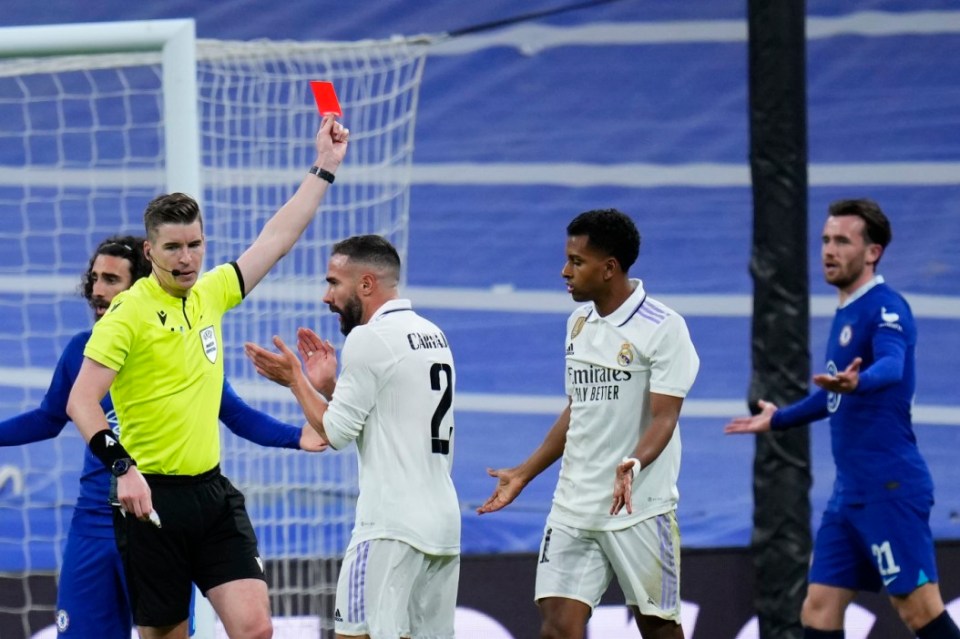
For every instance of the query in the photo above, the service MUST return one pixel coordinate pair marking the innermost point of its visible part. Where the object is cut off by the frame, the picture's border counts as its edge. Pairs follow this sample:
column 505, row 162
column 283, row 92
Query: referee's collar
column 626, row 310
column 391, row 306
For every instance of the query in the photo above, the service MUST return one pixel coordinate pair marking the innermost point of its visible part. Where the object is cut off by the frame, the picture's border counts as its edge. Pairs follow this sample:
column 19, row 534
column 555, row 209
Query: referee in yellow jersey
column 158, row 350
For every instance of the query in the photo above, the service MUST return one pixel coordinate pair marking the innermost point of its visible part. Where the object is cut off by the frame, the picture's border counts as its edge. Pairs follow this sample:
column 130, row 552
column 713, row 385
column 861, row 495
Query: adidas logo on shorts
column 336, row 615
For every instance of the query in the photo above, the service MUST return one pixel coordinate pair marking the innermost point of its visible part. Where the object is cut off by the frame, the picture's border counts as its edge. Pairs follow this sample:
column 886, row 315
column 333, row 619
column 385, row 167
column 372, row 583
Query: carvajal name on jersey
column 427, row 340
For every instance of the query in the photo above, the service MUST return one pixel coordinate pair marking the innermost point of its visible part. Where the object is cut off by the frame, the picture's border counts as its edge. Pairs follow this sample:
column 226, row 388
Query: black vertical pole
column 780, row 332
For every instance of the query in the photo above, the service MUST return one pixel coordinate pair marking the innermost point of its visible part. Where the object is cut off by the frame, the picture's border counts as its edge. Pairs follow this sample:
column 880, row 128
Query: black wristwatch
column 121, row 466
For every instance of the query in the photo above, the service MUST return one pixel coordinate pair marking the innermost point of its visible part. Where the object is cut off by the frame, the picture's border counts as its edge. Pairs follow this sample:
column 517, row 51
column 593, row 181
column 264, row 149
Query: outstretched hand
column 759, row 423
column 509, row 485
column 623, row 488
column 843, row 382
column 282, row 368
column 320, row 359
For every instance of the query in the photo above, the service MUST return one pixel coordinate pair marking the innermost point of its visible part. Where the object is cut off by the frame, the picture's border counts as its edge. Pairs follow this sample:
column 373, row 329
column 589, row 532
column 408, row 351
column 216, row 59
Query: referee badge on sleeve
column 208, row 337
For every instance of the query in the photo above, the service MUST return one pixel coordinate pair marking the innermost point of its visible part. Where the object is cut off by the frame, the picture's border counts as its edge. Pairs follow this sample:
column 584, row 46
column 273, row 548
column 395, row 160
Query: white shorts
column 389, row 589
column 578, row 564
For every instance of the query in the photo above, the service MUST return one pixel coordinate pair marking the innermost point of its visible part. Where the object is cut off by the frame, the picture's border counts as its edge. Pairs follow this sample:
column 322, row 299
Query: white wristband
column 636, row 465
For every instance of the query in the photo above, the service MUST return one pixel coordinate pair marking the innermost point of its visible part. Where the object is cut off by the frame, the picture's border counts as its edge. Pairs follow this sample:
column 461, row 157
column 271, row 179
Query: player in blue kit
column 92, row 598
column 875, row 531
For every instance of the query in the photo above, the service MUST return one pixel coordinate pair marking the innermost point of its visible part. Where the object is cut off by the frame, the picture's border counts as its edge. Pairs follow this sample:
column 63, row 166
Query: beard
column 351, row 315
column 844, row 277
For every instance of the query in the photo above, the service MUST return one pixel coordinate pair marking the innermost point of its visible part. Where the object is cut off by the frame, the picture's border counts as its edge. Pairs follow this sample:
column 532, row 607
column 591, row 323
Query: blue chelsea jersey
column 874, row 446
column 92, row 516
column 92, row 513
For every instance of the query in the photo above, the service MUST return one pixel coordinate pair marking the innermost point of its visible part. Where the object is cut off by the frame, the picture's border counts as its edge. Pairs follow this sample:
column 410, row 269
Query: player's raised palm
column 509, row 485
column 282, row 368
column 320, row 359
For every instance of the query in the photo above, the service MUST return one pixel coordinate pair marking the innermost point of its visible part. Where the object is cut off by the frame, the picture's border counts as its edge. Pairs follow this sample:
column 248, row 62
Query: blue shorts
column 876, row 545
column 92, row 594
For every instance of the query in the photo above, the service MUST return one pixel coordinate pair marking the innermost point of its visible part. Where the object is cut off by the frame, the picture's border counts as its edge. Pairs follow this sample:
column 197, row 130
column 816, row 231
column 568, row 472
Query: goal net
column 85, row 142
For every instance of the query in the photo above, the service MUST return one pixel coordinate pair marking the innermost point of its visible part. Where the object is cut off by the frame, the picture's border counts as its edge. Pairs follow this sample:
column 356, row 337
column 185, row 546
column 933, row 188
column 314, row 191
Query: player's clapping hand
column 321, row 360
column 843, row 382
column 282, row 368
column 759, row 423
column 623, row 488
column 509, row 485
column 312, row 441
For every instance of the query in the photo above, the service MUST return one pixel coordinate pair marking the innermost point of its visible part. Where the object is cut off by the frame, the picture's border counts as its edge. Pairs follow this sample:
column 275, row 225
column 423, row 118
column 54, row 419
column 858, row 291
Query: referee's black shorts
column 205, row 538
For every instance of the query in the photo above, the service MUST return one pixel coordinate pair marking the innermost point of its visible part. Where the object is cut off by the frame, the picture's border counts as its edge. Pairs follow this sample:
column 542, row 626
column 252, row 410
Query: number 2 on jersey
column 441, row 445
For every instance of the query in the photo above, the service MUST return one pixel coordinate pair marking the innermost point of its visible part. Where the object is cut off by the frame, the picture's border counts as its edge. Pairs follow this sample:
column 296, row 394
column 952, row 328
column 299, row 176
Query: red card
column 326, row 97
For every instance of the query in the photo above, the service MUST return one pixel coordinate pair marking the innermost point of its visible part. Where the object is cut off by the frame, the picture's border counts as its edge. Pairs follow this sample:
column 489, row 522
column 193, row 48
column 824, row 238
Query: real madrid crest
column 578, row 326
column 625, row 356
column 208, row 337
column 845, row 334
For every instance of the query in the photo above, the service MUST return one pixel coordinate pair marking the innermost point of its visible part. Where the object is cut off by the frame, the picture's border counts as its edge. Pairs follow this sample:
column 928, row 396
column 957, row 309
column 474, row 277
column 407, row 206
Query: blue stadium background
column 642, row 105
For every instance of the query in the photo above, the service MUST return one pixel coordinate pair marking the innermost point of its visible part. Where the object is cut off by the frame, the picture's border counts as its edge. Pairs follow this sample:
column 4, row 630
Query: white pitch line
column 531, row 39
column 494, row 403
column 506, row 299
column 566, row 174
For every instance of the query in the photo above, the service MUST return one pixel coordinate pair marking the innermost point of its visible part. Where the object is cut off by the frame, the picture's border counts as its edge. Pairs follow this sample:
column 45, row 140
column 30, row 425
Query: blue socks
column 940, row 628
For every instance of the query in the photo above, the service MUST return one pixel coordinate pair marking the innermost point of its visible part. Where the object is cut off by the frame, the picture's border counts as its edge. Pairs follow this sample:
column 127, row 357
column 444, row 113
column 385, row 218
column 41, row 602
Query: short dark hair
column 370, row 249
column 610, row 231
column 171, row 208
column 128, row 247
column 876, row 226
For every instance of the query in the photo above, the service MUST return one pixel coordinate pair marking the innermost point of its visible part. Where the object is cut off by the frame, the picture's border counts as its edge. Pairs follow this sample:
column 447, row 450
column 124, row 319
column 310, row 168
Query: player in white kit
column 394, row 397
column 629, row 364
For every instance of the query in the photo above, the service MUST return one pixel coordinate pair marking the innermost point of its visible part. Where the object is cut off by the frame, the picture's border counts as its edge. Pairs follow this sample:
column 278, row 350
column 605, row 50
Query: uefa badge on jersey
column 625, row 356
column 578, row 326
column 846, row 333
column 208, row 337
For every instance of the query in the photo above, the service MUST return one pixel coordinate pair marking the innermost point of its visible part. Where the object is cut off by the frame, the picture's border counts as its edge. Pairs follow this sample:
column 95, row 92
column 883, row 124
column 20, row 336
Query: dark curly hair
column 128, row 247
column 611, row 232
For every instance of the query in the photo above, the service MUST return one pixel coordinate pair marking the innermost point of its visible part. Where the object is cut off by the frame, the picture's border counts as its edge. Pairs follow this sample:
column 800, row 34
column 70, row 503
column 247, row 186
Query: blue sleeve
column 810, row 409
column 33, row 426
column 889, row 352
column 47, row 421
column 249, row 423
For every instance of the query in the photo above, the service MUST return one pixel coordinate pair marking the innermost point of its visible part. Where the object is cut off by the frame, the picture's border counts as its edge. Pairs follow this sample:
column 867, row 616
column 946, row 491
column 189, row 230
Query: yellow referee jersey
column 168, row 355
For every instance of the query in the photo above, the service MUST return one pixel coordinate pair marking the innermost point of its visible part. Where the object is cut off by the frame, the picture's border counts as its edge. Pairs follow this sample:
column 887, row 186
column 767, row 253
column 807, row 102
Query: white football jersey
column 394, row 396
column 613, row 363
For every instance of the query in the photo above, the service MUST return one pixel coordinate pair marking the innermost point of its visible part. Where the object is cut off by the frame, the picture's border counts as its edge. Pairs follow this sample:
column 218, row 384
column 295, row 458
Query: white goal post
column 95, row 120
column 176, row 42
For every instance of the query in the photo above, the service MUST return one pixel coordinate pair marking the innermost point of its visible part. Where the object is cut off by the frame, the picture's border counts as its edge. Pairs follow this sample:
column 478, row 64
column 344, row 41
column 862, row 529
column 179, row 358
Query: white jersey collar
column 626, row 310
column 860, row 292
column 390, row 306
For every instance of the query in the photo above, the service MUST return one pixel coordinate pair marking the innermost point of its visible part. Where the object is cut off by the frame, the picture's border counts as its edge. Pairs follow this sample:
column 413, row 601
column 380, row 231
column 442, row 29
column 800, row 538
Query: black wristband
column 323, row 174
column 107, row 448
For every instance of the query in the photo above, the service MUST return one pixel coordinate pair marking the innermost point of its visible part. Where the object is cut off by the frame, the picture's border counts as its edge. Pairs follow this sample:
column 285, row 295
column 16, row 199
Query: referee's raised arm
column 283, row 230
